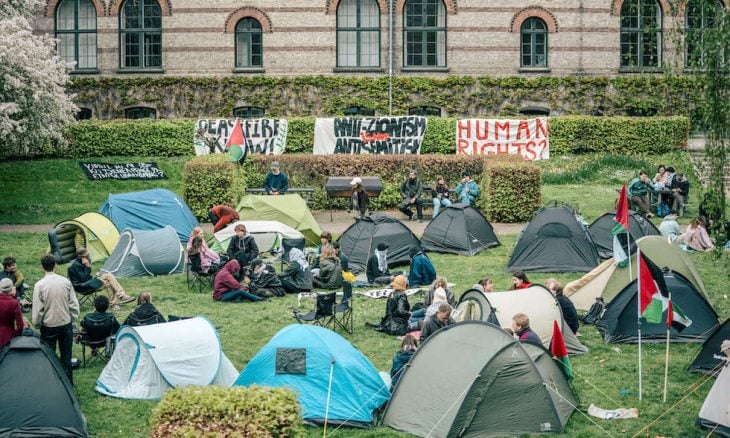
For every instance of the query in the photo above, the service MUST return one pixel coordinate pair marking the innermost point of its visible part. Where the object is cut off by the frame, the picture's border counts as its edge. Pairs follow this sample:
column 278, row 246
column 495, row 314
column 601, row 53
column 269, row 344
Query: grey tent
column 618, row 324
column 710, row 358
column 498, row 308
column 601, row 228
column 459, row 229
column 39, row 399
column 360, row 240
column 475, row 372
column 554, row 241
column 715, row 412
column 140, row 253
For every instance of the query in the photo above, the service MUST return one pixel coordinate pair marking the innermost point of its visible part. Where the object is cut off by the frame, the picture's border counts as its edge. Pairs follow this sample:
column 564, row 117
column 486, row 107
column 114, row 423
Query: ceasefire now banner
column 369, row 135
column 529, row 138
column 262, row 136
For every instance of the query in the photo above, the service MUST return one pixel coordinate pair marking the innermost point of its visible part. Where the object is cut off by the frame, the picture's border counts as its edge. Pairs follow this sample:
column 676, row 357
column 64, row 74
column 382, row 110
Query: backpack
column 595, row 313
column 662, row 209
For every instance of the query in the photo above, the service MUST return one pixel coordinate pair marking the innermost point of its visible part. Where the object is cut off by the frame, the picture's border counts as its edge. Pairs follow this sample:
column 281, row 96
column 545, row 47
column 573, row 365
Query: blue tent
column 150, row 210
column 301, row 357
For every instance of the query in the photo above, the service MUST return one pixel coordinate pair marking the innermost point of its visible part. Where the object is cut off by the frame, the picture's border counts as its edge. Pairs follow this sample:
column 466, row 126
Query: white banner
column 263, row 136
column 370, row 135
column 528, row 138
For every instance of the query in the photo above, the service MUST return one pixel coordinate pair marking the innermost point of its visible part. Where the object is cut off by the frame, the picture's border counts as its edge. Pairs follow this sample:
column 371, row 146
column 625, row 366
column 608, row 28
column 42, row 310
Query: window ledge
column 425, row 69
column 86, row 71
column 533, row 70
column 652, row 70
column 155, row 70
column 358, row 70
column 249, row 70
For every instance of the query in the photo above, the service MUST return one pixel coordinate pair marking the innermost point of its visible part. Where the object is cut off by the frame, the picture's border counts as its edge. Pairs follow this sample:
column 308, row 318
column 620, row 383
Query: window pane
column 65, row 15
column 641, row 33
column 347, row 13
column 130, row 15
column 346, row 54
column 130, row 49
column 87, row 50
column 152, row 50
column 425, row 40
column 369, row 49
column 152, row 14
column 83, row 114
column 66, row 47
column 87, row 15
column 369, row 13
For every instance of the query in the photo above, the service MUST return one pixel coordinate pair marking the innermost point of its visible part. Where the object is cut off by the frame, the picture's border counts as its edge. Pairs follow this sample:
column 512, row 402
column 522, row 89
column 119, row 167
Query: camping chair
column 323, row 314
column 99, row 337
column 86, row 295
column 343, row 310
column 196, row 276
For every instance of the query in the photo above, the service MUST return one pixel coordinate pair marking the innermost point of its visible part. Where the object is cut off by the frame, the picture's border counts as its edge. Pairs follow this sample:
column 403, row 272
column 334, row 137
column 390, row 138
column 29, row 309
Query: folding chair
column 85, row 295
column 196, row 276
column 98, row 336
column 323, row 314
column 343, row 310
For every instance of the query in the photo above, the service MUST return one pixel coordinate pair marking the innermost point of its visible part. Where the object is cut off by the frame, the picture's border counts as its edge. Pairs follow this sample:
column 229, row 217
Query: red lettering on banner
column 530, row 153
column 523, row 131
column 541, row 145
column 519, row 147
column 367, row 137
column 501, row 126
column 464, row 125
column 485, row 131
column 488, row 145
column 541, row 130
column 502, row 148
column 462, row 146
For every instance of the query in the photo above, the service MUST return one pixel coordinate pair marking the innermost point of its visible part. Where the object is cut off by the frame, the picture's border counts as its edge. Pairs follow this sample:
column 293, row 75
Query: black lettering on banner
column 384, row 135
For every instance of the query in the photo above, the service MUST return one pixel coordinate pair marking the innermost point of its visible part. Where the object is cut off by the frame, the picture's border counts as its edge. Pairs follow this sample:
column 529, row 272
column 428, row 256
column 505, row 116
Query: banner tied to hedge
column 369, row 135
column 528, row 138
column 262, row 136
column 99, row 171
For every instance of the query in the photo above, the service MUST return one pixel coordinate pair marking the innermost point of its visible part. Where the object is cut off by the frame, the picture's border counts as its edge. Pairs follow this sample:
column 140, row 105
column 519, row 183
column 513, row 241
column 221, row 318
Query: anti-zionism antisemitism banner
column 528, row 138
column 369, row 135
column 262, row 136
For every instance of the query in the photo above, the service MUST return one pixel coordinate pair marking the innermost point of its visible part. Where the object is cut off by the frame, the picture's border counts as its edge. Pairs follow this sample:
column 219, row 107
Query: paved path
column 341, row 221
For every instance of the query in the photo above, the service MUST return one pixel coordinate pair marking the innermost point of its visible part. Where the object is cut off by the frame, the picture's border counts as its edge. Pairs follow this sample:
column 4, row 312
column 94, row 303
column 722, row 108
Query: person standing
column 680, row 190
column 55, row 307
column 221, row 215
column 440, row 195
column 276, row 181
column 467, row 190
column 359, row 201
column 410, row 192
column 11, row 318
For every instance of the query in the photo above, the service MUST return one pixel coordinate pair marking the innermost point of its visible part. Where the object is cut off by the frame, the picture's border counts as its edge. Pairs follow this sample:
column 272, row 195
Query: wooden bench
column 428, row 199
column 305, row 192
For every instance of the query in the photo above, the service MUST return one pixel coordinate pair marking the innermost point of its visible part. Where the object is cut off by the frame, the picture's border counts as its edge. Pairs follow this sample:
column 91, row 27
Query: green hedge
column 211, row 180
column 571, row 134
column 511, row 190
column 234, row 411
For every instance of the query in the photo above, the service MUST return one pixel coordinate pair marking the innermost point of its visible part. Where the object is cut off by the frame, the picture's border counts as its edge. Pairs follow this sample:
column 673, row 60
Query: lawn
column 606, row 376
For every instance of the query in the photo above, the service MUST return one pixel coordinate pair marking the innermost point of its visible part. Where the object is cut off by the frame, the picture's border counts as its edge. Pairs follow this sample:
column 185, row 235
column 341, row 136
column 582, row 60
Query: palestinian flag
column 560, row 351
column 620, row 226
column 236, row 138
column 654, row 296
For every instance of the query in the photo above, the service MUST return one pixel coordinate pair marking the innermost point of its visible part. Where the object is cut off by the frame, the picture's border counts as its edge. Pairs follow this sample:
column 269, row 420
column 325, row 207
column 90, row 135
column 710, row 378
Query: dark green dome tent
column 472, row 379
column 39, row 398
column 709, row 358
column 601, row 229
column 459, row 229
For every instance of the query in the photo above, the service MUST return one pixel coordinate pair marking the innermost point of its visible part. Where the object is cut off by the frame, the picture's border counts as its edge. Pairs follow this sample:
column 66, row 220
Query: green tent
column 472, row 379
column 290, row 210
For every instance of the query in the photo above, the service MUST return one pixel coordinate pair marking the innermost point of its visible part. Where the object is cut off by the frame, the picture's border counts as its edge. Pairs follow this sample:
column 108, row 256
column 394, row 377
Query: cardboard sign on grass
column 529, row 138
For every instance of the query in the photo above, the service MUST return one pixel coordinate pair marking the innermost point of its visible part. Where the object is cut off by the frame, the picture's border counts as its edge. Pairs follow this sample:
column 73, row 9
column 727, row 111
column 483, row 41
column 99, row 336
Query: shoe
column 126, row 299
column 649, row 215
column 420, row 221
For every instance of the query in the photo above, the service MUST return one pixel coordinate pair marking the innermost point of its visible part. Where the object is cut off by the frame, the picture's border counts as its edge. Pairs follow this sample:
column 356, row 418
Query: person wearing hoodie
column 377, row 267
column 407, row 349
column 669, row 226
column 330, row 271
column 145, row 311
column 467, row 190
column 442, row 318
column 263, row 281
column 297, row 277
column 242, row 247
column 226, row 288
column 439, row 282
column 422, row 271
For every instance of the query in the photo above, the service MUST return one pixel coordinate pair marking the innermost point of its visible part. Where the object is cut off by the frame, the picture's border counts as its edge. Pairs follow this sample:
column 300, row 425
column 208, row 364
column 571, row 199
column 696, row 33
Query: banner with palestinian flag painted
column 621, row 227
column 655, row 298
column 260, row 136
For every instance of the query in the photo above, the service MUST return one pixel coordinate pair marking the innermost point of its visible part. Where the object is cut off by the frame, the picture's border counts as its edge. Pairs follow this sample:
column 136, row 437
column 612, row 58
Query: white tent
column 267, row 234
column 536, row 302
column 715, row 412
column 146, row 252
column 148, row 360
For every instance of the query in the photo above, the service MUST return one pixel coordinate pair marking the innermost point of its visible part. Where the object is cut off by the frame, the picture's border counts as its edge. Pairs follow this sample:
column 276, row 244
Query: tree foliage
column 33, row 104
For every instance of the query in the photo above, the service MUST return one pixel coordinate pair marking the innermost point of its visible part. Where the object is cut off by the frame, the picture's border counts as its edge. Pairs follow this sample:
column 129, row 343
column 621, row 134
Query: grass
column 606, row 376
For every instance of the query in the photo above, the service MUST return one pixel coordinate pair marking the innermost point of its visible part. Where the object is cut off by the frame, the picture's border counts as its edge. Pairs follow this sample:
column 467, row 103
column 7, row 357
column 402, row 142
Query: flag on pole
column 654, row 297
column 236, row 138
column 560, row 351
column 620, row 226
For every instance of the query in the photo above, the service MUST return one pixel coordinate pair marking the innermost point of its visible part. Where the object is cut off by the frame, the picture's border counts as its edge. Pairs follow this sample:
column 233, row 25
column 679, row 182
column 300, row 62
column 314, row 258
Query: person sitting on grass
column 520, row 281
column 220, row 216
column 484, row 285
column 422, row 270
column 145, row 313
column 263, row 281
column 696, row 237
column 227, row 288
column 330, row 271
column 442, row 318
column 242, row 247
column 313, row 257
column 407, row 349
column 377, row 267
column 359, row 201
column 100, row 318
column 443, row 283
column 669, row 227
column 297, row 277
column 467, row 190
column 10, row 270
column 397, row 309
column 521, row 329
column 570, row 315
column 80, row 275
column 638, row 190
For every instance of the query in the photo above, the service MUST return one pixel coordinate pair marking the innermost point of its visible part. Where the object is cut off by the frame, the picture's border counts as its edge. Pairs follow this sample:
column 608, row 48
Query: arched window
column 424, row 34
column 248, row 112
column 140, row 34
column 140, row 112
column 76, row 33
column 534, row 42
column 249, row 43
column 424, row 111
column 641, row 34
column 701, row 15
column 83, row 114
column 358, row 33
column 356, row 110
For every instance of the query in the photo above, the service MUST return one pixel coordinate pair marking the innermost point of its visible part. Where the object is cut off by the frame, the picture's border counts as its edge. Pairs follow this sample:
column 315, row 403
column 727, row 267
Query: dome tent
column 359, row 241
column 92, row 230
column 714, row 414
column 709, row 358
column 289, row 209
column 601, row 229
column 140, row 253
column 459, row 229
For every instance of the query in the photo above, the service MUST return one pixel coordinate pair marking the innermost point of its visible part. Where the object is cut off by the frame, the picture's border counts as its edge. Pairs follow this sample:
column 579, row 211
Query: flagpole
column 638, row 312
column 666, row 355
